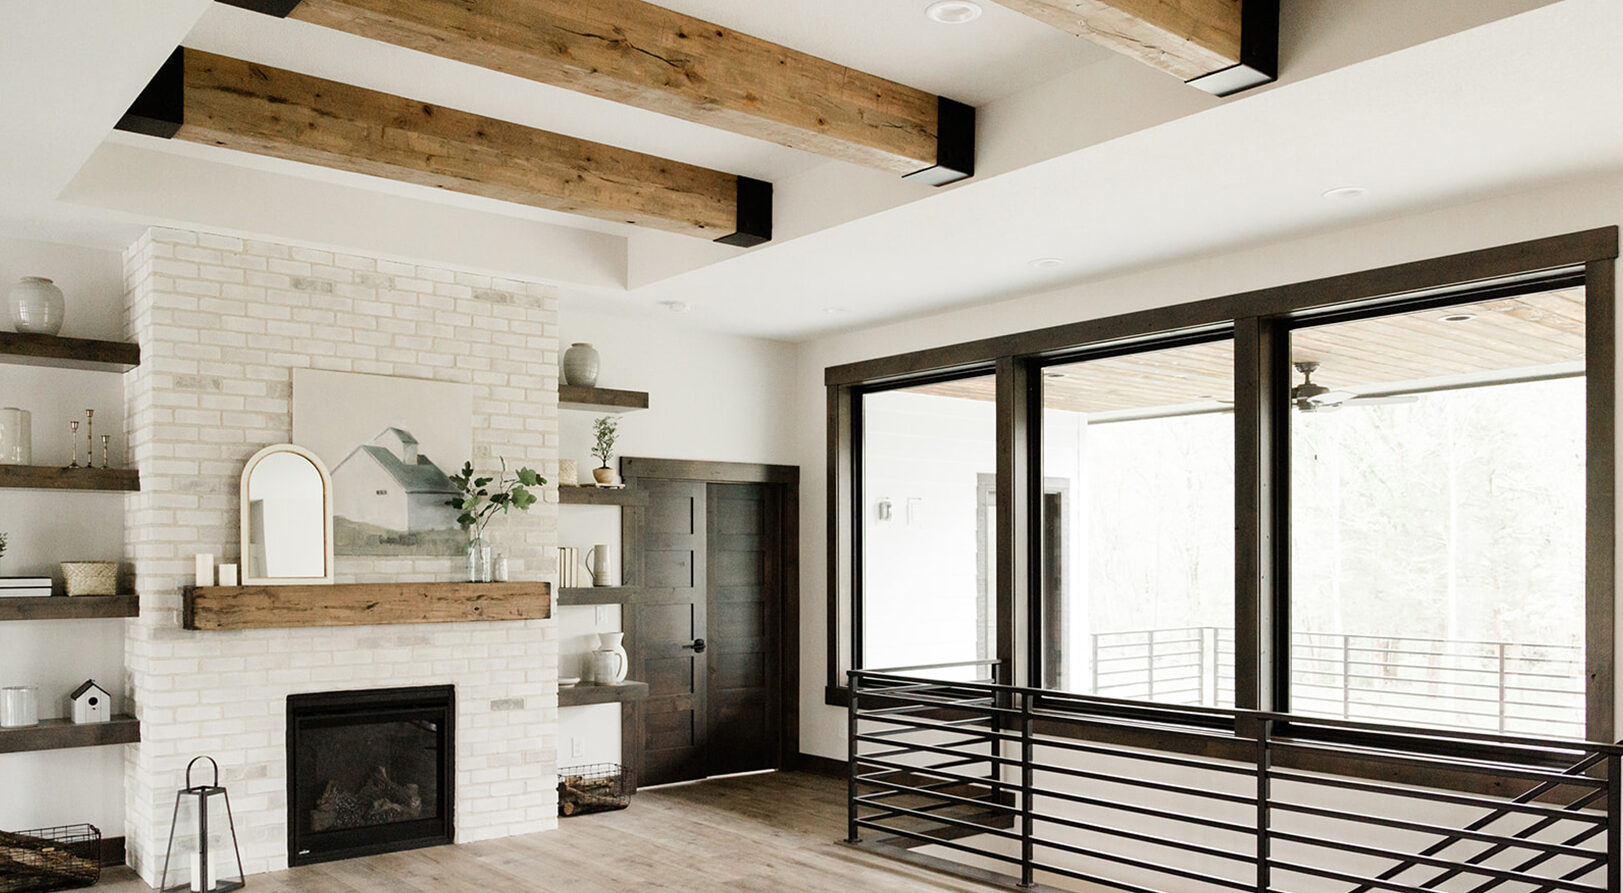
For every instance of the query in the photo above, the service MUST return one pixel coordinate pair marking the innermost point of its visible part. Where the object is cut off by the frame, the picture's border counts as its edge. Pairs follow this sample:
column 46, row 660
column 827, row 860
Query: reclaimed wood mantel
column 363, row 604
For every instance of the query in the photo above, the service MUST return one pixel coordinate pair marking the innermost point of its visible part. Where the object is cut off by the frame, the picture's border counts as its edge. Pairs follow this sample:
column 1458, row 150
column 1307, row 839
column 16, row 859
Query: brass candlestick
column 73, row 437
column 90, row 439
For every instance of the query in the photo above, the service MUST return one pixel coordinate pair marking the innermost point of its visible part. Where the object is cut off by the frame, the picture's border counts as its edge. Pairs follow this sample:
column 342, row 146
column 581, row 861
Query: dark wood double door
column 706, row 628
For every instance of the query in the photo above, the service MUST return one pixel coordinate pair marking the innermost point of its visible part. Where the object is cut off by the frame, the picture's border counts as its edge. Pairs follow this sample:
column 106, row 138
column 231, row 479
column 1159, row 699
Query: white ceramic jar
column 16, row 437
column 37, row 306
column 580, row 365
column 19, row 706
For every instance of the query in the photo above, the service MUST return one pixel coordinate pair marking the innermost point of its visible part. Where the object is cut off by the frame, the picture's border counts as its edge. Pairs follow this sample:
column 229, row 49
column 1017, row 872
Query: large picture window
column 1379, row 498
column 1437, row 516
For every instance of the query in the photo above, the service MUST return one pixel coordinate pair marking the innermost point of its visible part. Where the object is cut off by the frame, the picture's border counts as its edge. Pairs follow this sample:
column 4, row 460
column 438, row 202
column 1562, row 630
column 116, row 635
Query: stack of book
column 24, row 587
column 570, row 573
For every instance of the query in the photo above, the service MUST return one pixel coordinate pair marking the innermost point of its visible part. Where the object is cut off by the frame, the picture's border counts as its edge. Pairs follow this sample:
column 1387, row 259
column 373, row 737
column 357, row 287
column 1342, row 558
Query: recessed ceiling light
column 1459, row 317
column 953, row 12
column 676, row 306
column 1053, row 375
column 1346, row 192
column 1205, row 396
column 1045, row 262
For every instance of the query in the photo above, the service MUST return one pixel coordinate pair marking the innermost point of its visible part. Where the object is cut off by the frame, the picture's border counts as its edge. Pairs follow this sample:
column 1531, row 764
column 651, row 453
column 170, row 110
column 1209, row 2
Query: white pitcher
column 610, row 661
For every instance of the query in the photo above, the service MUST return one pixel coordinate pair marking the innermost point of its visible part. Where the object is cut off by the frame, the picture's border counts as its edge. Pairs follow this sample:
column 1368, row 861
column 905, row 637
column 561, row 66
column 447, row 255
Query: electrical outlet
column 577, row 750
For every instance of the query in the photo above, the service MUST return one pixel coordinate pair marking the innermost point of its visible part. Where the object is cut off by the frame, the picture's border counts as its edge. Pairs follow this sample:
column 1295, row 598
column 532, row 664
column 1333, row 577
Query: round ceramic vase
column 16, row 437
column 37, row 306
column 580, row 365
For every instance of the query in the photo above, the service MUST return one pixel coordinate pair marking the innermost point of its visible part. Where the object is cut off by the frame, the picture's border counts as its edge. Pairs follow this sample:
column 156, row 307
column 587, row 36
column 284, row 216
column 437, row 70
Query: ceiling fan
column 1312, row 397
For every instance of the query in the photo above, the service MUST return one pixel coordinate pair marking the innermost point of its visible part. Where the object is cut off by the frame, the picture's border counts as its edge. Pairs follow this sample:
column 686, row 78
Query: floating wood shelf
column 71, row 353
column 598, row 595
column 78, row 607
column 601, row 496
column 600, row 399
column 586, row 693
column 57, row 734
column 363, row 604
column 55, row 477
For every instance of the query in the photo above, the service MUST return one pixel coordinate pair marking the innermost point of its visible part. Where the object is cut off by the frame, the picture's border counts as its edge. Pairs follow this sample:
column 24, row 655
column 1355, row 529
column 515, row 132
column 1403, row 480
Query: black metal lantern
column 205, row 839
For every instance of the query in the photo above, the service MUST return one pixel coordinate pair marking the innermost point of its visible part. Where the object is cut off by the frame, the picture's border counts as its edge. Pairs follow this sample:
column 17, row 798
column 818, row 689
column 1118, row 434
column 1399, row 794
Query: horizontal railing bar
column 1540, row 746
column 1147, row 756
column 944, row 751
column 954, row 799
column 1203, row 821
column 978, row 662
column 1144, row 864
column 1457, row 833
column 1088, row 878
column 1221, row 796
column 1530, row 863
column 1417, row 859
column 1455, row 764
column 1386, row 884
column 1429, row 794
column 1536, row 861
column 966, row 760
column 968, row 779
column 875, row 778
column 950, row 727
column 891, row 811
column 936, row 841
column 1183, row 845
column 875, row 712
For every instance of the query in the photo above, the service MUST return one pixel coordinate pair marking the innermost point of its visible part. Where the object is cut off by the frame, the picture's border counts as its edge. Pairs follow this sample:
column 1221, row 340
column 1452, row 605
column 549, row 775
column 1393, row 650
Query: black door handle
column 697, row 645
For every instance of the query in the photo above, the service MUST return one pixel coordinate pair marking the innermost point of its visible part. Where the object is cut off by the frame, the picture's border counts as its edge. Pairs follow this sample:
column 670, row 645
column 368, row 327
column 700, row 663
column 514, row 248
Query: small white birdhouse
column 91, row 703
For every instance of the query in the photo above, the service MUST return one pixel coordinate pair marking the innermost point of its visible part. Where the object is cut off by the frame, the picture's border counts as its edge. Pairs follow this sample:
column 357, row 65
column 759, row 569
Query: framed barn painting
column 391, row 444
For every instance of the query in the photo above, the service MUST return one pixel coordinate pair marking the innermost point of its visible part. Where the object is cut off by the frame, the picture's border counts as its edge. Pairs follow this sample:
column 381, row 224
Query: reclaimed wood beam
column 646, row 56
column 219, row 101
column 1221, row 46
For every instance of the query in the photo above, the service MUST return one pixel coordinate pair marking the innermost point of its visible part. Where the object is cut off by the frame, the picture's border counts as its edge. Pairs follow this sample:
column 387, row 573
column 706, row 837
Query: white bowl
column 567, row 681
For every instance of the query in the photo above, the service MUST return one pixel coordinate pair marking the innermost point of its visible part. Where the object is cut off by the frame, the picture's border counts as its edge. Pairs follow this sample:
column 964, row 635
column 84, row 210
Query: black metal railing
column 1040, row 786
column 1513, row 687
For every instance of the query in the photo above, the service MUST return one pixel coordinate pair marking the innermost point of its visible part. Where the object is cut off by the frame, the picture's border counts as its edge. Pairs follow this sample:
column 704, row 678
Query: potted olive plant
column 480, row 499
column 607, row 430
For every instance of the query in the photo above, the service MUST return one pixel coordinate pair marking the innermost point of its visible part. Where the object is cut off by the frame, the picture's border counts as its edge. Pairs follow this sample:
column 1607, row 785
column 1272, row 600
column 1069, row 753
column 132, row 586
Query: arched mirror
column 286, row 517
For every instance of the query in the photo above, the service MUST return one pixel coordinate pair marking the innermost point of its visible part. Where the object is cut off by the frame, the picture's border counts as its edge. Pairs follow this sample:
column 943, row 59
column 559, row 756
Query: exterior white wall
column 1491, row 221
column 222, row 322
column 46, row 527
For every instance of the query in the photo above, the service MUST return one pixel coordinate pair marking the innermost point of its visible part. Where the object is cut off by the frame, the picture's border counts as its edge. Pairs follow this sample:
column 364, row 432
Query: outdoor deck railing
column 1040, row 787
column 1510, row 687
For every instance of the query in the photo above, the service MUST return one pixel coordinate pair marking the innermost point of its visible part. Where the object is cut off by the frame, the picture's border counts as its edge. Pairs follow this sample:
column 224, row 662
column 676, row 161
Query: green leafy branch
column 481, row 498
column 607, row 430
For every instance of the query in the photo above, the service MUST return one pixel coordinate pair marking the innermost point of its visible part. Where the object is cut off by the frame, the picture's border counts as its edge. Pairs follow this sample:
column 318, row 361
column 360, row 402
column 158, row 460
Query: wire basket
column 60, row 858
column 90, row 577
column 598, row 787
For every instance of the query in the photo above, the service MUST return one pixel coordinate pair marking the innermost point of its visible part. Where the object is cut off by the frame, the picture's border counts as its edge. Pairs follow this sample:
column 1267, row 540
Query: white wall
column 1559, row 208
column 711, row 397
column 50, row 526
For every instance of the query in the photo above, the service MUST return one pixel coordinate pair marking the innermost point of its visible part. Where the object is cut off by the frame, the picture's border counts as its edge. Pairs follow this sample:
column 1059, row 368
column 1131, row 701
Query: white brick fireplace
column 222, row 322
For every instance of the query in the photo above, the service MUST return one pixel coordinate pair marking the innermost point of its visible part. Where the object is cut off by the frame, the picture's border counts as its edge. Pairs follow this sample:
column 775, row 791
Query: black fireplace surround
column 369, row 771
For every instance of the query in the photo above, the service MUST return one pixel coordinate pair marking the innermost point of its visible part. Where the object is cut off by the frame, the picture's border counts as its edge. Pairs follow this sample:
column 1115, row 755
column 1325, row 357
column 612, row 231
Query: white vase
column 16, row 437
column 599, row 558
column 568, row 473
column 19, row 706
column 37, row 306
column 580, row 365
column 610, row 662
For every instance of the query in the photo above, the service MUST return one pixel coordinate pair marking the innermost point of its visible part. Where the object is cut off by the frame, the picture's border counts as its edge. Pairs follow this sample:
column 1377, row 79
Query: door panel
column 743, row 602
column 664, row 624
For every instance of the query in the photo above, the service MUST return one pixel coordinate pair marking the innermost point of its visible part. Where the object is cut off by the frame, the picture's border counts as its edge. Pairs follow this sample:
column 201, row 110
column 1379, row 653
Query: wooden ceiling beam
column 646, row 56
column 1220, row 46
column 219, row 101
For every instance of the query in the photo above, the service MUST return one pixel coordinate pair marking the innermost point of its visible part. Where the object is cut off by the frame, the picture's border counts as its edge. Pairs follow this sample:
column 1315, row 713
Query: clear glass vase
column 479, row 564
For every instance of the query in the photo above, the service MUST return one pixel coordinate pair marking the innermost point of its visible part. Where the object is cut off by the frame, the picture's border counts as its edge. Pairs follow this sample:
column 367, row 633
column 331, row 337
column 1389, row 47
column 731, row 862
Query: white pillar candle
column 228, row 575
column 205, row 569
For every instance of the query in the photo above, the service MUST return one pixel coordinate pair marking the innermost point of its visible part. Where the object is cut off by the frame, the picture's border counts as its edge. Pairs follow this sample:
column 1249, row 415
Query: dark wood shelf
column 57, row 734
column 55, row 477
column 79, row 607
column 363, row 604
column 69, row 353
column 600, row 595
column 601, row 496
column 583, row 694
column 600, row 399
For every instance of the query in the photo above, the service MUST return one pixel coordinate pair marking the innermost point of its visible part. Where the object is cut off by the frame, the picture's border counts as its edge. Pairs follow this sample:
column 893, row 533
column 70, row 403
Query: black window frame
column 1260, row 322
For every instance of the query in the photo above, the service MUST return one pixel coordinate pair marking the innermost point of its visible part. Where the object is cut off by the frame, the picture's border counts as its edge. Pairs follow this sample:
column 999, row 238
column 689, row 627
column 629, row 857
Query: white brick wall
column 222, row 322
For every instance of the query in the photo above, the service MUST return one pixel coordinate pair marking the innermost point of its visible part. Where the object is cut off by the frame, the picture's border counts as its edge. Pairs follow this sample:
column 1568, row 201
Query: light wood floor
column 772, row 832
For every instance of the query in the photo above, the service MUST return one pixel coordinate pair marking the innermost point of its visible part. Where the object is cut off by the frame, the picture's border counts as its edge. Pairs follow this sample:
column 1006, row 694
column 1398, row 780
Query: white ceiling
column 1085, row 156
